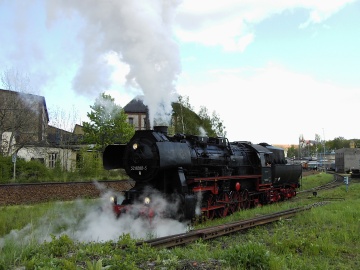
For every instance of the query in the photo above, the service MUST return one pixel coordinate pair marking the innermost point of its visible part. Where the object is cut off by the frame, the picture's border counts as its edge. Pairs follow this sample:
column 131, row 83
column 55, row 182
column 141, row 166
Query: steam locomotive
column 203, row 176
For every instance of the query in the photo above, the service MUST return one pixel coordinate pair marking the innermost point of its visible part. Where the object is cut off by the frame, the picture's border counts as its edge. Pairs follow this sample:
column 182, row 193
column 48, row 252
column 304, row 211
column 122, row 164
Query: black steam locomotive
column 206, row 176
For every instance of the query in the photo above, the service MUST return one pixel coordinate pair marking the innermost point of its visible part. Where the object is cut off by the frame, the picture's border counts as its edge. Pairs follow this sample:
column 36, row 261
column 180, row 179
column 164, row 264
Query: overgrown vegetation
column 325, row 237
column 88, row 168
column 186, row 121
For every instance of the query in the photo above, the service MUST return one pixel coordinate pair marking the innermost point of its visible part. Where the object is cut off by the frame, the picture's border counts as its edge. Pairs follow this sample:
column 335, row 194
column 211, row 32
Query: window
column 131, row 120
column 52, row 160
column 41, row 160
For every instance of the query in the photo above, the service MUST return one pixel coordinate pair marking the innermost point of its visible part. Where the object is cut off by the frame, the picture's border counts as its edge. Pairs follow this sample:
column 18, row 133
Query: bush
column 89, row 164
column 248, row 256
column 26, row 171
column 6, row 169
column 32, row 172
column 89, row 168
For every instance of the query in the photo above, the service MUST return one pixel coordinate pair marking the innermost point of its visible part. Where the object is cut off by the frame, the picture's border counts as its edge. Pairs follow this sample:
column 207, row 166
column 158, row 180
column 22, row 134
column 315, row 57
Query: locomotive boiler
column 206, row 176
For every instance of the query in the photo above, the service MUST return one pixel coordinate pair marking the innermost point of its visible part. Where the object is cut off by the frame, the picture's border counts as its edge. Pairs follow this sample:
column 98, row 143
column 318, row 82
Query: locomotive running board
column 224, row 178
column 206, row 209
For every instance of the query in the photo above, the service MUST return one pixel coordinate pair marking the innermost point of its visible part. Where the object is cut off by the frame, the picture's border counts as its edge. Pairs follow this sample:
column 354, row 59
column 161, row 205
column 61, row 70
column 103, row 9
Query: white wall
column 66, row 157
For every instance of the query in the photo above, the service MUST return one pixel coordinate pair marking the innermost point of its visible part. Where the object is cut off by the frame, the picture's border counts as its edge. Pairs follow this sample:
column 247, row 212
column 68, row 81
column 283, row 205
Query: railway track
column 338, row 181
column 330, row 185
column 15, row 194
column 233, row 227
column 173, row 240
column 224, row 229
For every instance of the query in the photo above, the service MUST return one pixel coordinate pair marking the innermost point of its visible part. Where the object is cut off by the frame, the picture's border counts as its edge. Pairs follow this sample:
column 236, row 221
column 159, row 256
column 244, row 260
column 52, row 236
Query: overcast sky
column 272, row 70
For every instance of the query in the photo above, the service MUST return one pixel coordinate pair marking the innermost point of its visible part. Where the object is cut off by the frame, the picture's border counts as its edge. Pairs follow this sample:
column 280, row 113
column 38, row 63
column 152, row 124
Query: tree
column 107, row 123
column 356, row 142
column 217, row 125
column 22, row 121
column 338, row 143
column 63, row 119
column 183, row 115
column 206, row 121
column 13, row 79
column 293, row 151
column 186, row 121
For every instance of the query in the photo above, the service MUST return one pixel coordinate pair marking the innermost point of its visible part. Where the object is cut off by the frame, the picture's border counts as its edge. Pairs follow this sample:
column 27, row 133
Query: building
column 138, row 114
column 25, row 133
column 78, row 130
column 23, row 120
column 64, row 146
column 347, row 159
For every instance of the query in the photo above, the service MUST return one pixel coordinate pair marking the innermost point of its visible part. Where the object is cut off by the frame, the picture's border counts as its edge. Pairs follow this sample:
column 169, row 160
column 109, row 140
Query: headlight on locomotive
column 149, row 152
column 147, row 200
column 113, row 200
column 135, row 146
column 141, row 160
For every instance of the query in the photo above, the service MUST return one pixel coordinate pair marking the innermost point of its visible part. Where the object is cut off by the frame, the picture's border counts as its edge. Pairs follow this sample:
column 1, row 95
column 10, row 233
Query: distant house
column 59, row 137
column 23, row 120
column 78, row 130
column 25, row 133
column 64, row 146
column 50, row 155
column 138, row 114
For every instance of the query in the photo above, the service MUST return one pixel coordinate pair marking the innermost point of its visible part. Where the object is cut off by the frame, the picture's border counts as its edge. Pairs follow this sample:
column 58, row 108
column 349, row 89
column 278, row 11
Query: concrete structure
column 49, row 156
column 347, row 159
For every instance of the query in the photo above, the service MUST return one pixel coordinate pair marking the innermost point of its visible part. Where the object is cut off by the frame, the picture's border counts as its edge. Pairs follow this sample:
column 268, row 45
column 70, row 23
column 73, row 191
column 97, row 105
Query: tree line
column 108, row 122
column 319, row 148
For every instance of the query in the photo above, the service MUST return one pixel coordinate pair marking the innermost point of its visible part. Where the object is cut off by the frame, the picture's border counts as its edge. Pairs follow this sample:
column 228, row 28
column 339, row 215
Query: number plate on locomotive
column 138, row 168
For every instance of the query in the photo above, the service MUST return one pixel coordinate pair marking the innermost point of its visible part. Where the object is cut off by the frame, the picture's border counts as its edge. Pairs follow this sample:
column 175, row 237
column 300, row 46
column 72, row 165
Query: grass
column 315, row 180
column 325, row 237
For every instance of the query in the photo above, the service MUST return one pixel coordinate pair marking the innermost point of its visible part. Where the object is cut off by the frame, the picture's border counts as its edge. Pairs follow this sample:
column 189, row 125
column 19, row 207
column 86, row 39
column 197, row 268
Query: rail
column 224, row 229
column 337, row 181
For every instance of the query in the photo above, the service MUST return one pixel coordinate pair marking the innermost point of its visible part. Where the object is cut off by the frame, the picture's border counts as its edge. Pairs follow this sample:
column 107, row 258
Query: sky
column 272, row 70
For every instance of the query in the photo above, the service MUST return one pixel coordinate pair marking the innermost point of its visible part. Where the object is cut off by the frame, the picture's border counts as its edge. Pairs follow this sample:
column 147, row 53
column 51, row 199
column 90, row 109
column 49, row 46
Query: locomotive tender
column 206, row 175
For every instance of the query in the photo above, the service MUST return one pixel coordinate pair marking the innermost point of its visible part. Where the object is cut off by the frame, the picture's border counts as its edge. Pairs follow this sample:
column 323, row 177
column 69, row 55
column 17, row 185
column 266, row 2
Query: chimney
column 161, row 129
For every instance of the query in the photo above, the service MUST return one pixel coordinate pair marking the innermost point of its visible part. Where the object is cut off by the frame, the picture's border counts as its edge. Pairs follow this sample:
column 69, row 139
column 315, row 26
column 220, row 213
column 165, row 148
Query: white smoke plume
column 88, row 221
column 198, row 204
column 202, row 131
column 140, row 34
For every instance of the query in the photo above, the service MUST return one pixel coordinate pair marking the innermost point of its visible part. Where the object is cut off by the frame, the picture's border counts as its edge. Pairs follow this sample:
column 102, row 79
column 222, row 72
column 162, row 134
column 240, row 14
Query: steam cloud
column 140, row 34
column 87, row 222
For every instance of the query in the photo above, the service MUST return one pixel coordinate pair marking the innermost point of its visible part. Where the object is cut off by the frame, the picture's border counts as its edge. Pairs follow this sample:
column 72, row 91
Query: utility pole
column 14, row 161
column 324, row 150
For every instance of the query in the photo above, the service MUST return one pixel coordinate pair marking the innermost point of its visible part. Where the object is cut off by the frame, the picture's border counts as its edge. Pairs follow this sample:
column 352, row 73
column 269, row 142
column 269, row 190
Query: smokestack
column 161, row 129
